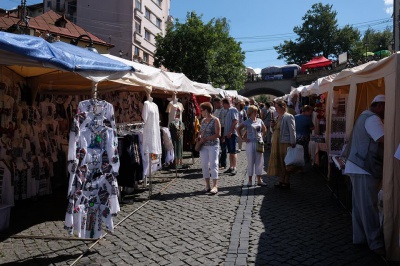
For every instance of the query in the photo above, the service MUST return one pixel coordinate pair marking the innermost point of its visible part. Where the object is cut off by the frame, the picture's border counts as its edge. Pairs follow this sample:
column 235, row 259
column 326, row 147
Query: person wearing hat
column 364, row 165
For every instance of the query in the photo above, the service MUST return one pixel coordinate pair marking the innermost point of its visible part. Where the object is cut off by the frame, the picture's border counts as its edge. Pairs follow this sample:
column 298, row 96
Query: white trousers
column 365, row 216
column 255, row 160
column 209, row 161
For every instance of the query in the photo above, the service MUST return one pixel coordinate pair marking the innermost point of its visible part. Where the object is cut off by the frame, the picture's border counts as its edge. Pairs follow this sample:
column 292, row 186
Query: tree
column 203, row 52
column 318, row 35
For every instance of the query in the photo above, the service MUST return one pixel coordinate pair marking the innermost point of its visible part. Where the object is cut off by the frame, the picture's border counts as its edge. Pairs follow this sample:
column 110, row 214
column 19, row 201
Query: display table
column 4, row 217
column 314, row 148
column 339, row 182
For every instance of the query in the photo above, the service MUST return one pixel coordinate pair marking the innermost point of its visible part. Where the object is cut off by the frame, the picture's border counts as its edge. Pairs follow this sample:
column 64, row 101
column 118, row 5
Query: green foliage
column 318, row 35
column 204, row 52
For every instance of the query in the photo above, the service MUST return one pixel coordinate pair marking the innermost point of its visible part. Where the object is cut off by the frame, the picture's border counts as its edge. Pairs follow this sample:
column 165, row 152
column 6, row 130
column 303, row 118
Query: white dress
column 93, row 187
column 151, row 129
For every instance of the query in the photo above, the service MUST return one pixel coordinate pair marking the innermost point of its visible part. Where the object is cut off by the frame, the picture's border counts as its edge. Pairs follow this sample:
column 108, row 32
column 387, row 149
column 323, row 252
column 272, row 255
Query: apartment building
column 130, row 25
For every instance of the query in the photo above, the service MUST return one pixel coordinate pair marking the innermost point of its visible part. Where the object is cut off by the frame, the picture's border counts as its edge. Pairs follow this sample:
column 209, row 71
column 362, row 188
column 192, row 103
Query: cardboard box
column 4, row 217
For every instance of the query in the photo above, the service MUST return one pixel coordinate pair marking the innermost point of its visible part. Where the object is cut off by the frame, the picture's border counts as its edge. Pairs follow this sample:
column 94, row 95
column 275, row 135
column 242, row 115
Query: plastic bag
column 295, row 156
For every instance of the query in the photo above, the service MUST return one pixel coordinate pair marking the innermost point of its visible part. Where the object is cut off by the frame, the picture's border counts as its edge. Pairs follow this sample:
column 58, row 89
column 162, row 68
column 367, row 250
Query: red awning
column 318, row 61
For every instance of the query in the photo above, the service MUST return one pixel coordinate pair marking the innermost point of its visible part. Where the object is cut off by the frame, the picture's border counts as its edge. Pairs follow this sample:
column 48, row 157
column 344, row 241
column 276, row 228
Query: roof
column 318, row 61
column 47, row 22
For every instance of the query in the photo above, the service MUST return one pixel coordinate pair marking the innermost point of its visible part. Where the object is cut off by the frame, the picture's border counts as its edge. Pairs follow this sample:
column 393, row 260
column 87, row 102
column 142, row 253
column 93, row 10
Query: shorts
column 231, row 144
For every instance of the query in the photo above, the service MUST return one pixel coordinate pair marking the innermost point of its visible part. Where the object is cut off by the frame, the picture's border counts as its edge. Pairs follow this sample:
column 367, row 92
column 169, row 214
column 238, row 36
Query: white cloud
column 388, row 2
column 389, row 6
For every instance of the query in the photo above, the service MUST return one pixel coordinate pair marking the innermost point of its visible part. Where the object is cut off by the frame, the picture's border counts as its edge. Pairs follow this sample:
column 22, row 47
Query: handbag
column 260, row 146
column 295, row 156
column 199, row 144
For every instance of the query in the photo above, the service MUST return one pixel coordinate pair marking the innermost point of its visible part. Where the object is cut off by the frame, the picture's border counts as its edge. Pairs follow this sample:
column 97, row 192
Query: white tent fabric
column 231, row 93
column 146, row 75
column 207, row 87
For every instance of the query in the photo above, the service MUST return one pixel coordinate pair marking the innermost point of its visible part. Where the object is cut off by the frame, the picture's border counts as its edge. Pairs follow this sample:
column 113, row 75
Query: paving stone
column 239, row 226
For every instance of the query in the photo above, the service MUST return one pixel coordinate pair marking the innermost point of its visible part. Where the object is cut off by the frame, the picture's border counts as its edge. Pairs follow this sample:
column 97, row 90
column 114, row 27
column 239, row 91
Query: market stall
column 349, row 93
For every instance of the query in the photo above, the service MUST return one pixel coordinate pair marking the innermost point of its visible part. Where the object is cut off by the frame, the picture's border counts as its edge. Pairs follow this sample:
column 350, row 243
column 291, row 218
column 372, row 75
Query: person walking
column 364, row 165
column 209, row 136
column 220, row 113
column 242, row 118
column 267, row 115
column 255, row 129
column 230, row 134
column 284, row 136
column 304, row 126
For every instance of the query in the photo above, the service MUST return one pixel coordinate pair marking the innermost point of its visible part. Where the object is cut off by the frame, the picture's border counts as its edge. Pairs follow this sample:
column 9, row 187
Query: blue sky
column 261, row 24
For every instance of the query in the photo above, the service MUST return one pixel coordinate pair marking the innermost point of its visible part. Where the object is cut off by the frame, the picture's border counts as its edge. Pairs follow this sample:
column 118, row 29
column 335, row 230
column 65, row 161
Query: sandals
column 214, row 190
column 206, row 190
column 262, row 184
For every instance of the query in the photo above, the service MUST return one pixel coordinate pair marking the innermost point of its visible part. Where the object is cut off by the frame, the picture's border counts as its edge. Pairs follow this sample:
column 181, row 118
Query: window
column 138, row 4
column 136, row 51
column 58, row 5
column 49, row 4
column 137, row 27
column 158, row 23
column 159, row 2
column 146, row 57
column 147, row 14
column 147, row 35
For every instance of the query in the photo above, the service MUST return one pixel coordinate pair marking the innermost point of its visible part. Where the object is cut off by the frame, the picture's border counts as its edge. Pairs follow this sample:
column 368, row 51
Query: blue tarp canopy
column 34, row 51
column 60, row 66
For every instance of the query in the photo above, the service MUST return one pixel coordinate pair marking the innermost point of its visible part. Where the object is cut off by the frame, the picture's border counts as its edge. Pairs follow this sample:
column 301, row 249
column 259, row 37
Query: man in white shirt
column 367, row 142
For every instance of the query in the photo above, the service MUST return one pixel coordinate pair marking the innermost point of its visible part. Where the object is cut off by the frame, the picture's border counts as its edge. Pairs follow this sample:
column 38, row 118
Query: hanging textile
column 93, row 166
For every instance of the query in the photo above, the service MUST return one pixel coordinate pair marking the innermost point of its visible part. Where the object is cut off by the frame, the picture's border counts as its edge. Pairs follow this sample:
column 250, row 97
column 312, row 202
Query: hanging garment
column 131, row 169
column 93, row 166
column 151, row 130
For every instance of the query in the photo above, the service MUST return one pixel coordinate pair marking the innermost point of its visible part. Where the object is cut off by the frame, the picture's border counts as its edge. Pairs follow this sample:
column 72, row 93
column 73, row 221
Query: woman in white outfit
column 210, row 133
column 255, row 130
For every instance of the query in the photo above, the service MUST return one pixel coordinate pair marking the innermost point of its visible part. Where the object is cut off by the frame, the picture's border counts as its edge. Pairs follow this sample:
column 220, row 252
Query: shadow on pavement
column 40, row 261
column 305, row 225
column 29, row 212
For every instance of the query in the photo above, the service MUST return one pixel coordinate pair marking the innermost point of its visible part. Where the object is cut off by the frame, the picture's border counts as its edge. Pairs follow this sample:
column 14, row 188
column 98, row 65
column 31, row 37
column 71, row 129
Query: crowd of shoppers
column 274, row 123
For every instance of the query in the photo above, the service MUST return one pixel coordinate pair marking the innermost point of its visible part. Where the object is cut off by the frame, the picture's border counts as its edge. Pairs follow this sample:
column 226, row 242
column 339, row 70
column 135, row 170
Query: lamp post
column 392, row 45
column 366, row 48
column 90, row 47
column 380, row 51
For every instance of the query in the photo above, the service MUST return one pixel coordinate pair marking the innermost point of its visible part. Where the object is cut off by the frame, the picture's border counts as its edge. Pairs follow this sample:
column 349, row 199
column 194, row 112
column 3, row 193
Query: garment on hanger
column 93, row 166
column 174, row 110
column 177, row 128
column 151, row 131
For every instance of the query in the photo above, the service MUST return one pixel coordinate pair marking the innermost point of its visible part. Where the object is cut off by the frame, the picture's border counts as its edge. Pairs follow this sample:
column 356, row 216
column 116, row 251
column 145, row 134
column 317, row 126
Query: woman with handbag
column 255, row 129
column 284, row 136
column 210, row 132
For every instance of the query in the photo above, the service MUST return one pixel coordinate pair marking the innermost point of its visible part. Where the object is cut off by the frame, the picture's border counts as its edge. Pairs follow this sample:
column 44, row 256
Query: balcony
column 137, row 37
column 138, row 14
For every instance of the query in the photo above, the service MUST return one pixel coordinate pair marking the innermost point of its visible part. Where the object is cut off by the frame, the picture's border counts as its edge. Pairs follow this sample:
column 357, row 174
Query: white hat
column 379, row 99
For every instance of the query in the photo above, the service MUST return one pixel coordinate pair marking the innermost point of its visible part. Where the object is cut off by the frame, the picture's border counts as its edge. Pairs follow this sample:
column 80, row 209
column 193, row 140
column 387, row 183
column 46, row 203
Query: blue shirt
column 232, row 114
column 303, row 125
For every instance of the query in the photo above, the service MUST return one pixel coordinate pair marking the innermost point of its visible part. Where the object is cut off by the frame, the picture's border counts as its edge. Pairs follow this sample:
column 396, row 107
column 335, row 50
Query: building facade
column 130, row 25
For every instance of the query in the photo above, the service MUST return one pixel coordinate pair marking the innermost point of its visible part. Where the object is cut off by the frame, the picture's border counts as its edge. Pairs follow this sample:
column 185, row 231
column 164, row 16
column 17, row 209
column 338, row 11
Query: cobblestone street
column 181, row 225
